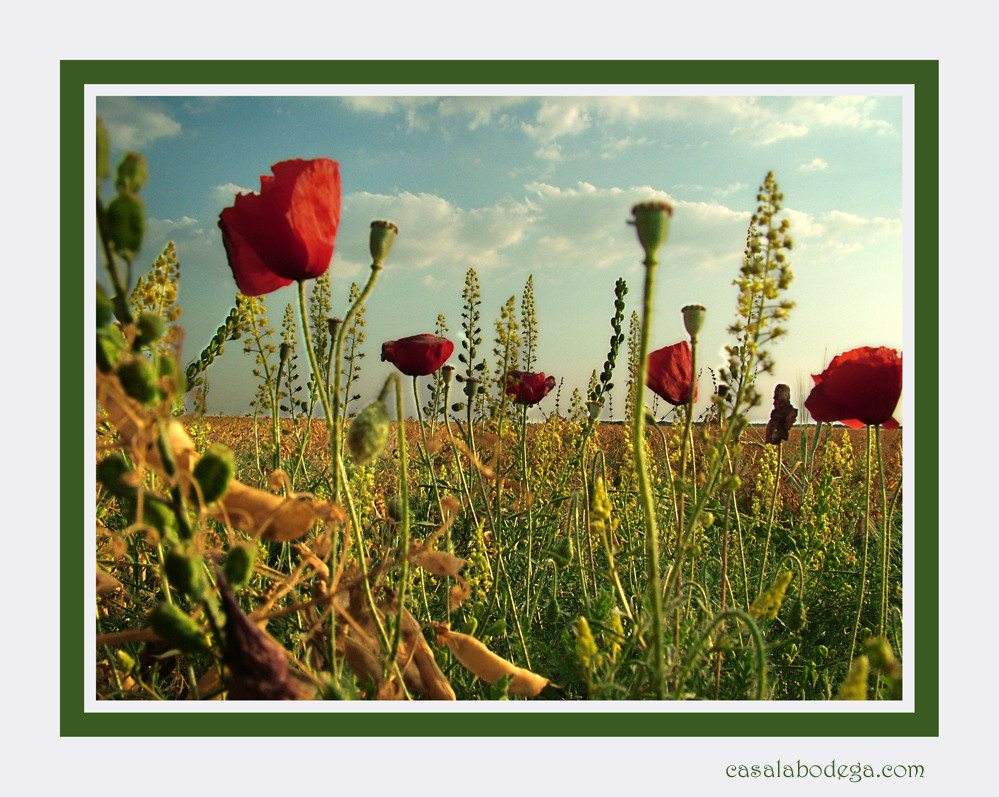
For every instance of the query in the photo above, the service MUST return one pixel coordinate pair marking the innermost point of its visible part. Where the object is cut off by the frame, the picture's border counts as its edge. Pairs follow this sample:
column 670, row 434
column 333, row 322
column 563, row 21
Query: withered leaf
column 482, row 662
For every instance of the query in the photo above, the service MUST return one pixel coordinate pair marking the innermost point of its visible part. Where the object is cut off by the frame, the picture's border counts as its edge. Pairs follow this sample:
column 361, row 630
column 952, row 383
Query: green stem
column 885, row 532
column 404, row 523
column 645, row 488
column 770, row 519
column 867, row 529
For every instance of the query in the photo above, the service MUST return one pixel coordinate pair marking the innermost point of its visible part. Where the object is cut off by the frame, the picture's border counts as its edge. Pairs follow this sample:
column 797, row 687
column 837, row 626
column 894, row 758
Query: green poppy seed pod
column 693, row 319
column 184, row 571
column 594, row 408
column 177, row 629
column 138, row 379
column 103, row 151
column 239, row 563
column 150, row 328
column 797, row 616
column 651, row 220
column 383, row 235
column 284, row 352
column 126, row 224
column 368, row 433
column 160, row 516
column 334, row 326
column 214, row 472
column 133, row 172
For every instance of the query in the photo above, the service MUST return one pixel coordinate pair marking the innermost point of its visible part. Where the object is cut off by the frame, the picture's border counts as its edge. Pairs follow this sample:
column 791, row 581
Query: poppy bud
column 796, row 616
column 239, row 563
column 652, row 224
column 133, row 172
column 213, row 472
column 177, row 629
column 126, row 224
column 368, row 433
column 383, row 235
column 138, row 379
column 150, row 328
column 394, row 508
column 184, row 571
column 284, row 352
column 693, row 319
column 334, row 326
column 594, row 408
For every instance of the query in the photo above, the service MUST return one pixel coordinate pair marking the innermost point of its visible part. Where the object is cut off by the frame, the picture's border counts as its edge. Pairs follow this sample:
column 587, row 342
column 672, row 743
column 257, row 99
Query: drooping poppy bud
column 368, row 433
column 417, row 355
column 782, row 417
column 383, row 235
column 670, row 371
column 528, row 388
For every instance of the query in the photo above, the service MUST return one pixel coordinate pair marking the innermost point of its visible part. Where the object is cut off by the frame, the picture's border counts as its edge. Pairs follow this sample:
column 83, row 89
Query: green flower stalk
column 651, row 220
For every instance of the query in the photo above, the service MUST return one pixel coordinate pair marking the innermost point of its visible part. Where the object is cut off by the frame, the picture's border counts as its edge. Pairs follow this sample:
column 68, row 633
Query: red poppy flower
column 417, row 355
column 669, row 373
column 287, row 231
column 859, row 387
column 528, row 388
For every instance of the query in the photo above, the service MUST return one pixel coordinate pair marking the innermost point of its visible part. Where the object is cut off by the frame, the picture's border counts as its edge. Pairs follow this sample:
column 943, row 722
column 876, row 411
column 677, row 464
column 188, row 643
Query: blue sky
column 542, row 186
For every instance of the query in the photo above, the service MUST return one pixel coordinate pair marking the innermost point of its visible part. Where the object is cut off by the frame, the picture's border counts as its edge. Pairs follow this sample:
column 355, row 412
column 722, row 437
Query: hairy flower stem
column 867, row 529
column 404, row 499
column 425, row 451
column 530, row 511
column 334, row 421
column 645, row 486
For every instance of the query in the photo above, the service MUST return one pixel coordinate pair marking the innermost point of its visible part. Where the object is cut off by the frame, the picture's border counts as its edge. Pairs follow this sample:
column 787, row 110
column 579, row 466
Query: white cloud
column 223, row 195
column 815, row 165
column 132, row 123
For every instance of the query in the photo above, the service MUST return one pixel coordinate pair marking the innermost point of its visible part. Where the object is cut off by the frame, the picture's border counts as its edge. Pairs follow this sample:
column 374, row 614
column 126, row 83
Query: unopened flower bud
column 284, row 352
column 239, row 563
column 652, row 224
column 185, row 573
column 150, row 328
column 383, row 235
column 138, row 379
column 133, row 172
column 368, row 433
column 594, row 408
column 213, row 472
column 334, row 326
column 693, row 319
column 126, row 224
column 177, row 629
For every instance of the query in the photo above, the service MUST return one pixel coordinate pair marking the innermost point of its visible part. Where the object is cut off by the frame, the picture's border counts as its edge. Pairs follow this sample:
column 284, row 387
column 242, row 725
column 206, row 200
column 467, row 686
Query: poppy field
column 320, row 549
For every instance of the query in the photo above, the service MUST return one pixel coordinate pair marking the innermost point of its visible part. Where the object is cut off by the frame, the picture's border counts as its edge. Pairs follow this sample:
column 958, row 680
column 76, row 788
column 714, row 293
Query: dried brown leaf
column 482, row 662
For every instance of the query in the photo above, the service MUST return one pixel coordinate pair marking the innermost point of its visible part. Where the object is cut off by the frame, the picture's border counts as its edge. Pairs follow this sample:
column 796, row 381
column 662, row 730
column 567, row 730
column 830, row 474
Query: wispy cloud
column 814, row 165
column 133, row 123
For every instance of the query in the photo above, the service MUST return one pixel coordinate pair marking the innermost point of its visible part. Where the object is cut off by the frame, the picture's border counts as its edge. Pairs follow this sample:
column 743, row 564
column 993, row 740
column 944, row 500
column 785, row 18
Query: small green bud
column 114, row 474
column 284, row 353
column 552, row 612
column 160, row 516
column 126, row 224
column 368, row 433
column 138, row 379
column 133, row 172
column 239, row 563
column 383, row 235
column 651, row 220
column 214, row 471
column 562, row 553
column 103, row 151
column 177, row 629
column 394, row 507
column 185, row 573
column 150, row 328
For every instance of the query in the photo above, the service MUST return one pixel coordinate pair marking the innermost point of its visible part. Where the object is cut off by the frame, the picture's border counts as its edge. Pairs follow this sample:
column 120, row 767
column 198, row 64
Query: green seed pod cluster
column 177, row 629
column 239, row 563
column 185, row 572
column 230, row 330
column 368, row 433
column 214, row 472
